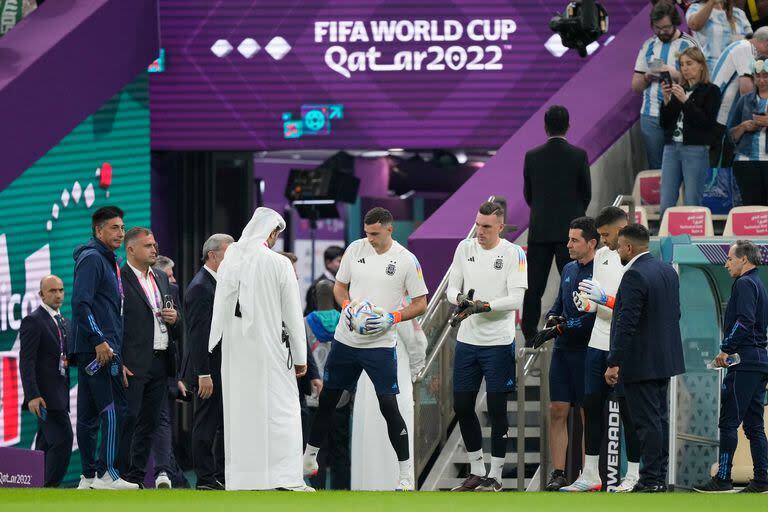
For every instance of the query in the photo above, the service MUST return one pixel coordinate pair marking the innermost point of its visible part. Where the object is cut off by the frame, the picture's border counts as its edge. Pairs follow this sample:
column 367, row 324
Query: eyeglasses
column 665, row 28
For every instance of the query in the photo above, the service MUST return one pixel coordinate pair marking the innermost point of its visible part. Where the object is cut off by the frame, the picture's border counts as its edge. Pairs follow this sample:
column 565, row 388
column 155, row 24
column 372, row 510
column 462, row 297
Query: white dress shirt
column 148, row 284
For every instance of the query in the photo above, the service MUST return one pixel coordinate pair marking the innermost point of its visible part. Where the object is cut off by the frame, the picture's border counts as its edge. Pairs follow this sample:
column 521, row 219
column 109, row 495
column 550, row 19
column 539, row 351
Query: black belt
column 159, row 353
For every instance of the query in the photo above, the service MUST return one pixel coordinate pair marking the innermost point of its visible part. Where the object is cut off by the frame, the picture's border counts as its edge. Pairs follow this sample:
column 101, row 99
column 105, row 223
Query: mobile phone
column 167, row 301
column 666, row 78
column 43, row 413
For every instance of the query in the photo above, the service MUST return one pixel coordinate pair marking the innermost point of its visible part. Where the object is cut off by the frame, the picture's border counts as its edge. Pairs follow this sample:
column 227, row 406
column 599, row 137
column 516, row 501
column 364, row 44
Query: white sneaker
column 626, row 485
column 107, row 483
column 405, row 485
column 310, row 468
column 300, row 488
column 102, row 483
column 583, row 485
column 162, row 481
column 85, row 483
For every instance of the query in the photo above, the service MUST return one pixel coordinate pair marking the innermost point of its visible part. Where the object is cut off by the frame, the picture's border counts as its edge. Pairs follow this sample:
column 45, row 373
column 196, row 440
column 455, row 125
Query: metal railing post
column 521, row 383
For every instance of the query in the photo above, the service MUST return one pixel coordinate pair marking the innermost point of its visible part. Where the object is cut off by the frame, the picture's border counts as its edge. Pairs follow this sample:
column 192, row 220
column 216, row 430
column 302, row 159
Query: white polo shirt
column 383, row 280
column 498, row 276
column 608, row 271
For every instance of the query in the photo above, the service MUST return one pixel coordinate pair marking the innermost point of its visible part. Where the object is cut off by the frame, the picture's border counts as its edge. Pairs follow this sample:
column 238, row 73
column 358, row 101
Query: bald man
column 45, row 378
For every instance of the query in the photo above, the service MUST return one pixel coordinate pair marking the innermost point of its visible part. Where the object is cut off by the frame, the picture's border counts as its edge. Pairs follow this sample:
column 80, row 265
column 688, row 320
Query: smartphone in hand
column 666, row 78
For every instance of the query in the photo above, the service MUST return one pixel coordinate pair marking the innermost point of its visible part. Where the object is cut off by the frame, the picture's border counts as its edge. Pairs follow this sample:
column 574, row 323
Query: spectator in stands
column 733, row 71
column 658, row 54
column 688, row 116
column 747, row 127
column 332, row 258
column 557, row 188
column 715, row 25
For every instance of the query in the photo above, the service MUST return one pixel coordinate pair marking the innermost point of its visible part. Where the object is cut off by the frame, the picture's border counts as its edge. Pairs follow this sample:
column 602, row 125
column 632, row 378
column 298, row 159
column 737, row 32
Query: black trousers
column 147, row 396
column 647, row 401
column 334, row 456
column 752, row 178
column 54, row 438
column 208, row 437
column 539, row 262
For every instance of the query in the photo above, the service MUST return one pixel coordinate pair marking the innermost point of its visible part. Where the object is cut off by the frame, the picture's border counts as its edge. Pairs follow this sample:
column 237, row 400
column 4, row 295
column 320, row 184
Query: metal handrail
column 621, row 200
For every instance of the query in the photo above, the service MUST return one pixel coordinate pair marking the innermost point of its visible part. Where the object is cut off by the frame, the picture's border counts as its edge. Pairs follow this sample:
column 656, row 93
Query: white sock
column 633, row 469
column 310, row 454
column 497, row 465
column 406, row 468
column 476, row 464
column 591, row 470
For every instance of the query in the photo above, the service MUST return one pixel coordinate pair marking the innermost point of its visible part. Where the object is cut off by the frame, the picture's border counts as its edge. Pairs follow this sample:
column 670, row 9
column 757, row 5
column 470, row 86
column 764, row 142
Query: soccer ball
column 360, row 314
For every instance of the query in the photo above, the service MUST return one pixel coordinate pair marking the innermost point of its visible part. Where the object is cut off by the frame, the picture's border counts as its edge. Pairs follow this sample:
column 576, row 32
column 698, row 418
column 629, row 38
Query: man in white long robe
column 256, row 294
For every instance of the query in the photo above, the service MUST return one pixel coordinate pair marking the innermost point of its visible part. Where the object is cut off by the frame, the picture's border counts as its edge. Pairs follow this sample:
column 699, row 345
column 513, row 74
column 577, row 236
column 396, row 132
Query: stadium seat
column 687, row 220
column 647, row 193
column 747, row 221
column 647, row 190
column 641, row 215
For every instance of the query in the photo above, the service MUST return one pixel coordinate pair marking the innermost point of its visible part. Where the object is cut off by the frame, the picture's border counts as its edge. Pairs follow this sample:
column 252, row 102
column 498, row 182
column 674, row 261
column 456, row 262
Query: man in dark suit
column 149, row 346
column 557, row 188
column 45, row 378
column 204, row 368
column 646, row 349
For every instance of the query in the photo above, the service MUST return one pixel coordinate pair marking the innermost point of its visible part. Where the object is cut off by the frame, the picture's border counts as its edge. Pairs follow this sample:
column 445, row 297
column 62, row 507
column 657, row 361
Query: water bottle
column 94, row 366
column 731, row 360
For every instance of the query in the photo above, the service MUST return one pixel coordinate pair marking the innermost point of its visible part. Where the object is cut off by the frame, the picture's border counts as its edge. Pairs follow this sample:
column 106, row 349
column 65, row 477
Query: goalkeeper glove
column 554, row 320
column 383, row 322
column 547, row 334
column 468, row 307
column 594, row 292
column 348, row 308
column 583, row 304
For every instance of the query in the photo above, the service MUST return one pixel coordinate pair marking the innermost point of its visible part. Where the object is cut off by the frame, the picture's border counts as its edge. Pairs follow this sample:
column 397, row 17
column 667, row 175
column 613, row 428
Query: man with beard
column 658, row 55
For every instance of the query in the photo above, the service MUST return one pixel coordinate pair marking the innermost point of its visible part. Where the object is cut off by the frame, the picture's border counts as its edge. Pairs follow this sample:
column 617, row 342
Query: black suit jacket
column 198, row 310
column 557, row 188
column 139, row 324
column 39, row 360
column 645, row 329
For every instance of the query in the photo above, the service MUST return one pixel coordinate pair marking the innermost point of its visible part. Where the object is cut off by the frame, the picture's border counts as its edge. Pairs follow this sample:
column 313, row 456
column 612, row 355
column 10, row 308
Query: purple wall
column 22, row 468
column 63, row 62
column 599, row 116
column 207, row 102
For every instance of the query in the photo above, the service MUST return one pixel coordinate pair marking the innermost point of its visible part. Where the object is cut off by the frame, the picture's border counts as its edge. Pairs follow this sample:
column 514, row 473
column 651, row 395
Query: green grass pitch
column 43, row 500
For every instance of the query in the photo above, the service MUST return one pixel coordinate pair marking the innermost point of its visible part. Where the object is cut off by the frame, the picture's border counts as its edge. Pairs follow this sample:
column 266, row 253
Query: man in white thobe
column 256, row 294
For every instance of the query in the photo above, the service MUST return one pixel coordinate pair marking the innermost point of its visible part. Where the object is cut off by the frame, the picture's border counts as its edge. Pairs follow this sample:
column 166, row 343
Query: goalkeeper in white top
column 376, row 273
column 598, row 295
column 487, row 282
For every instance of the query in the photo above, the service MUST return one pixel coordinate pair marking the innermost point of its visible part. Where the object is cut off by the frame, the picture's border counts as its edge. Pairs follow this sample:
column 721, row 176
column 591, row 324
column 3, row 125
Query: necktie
column 62, row 332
